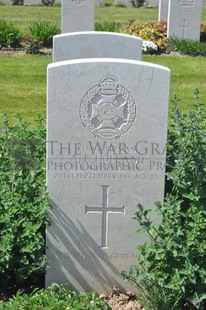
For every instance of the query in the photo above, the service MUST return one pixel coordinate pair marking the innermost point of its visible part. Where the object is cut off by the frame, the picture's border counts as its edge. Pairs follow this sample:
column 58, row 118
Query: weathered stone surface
column 107, row 128
column 80, row 45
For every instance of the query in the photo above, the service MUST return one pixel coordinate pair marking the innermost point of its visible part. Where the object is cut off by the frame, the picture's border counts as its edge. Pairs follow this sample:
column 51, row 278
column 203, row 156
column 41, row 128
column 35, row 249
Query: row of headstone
column 107, row 128
column 128, row 3
column 153, row 3
column 98, row 3
column 183, row 18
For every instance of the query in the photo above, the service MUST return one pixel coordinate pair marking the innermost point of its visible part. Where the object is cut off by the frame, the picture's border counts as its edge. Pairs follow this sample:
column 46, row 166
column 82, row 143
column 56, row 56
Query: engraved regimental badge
column 78, row 2
column 108, row 109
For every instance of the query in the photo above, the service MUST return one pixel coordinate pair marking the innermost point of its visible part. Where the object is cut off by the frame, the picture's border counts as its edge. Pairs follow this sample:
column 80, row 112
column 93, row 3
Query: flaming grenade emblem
column 108, row 109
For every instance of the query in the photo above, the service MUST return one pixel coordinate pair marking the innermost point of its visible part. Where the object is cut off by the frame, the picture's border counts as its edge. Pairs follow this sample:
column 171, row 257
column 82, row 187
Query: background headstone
column 154, row 3
column 184, row 19
column 7, row 2
column 77, row 15
column 79, row 45
column 99, row 3
column 32, row 2
column 163, row 10
column 107, row 128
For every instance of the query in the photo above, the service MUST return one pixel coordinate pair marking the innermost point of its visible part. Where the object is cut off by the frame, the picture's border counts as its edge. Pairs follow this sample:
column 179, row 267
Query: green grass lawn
column 23, row 79
column 23, row 15
column 23, row 85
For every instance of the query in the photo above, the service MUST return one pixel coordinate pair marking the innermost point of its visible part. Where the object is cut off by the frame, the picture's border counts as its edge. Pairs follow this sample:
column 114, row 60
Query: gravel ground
column 122, row 301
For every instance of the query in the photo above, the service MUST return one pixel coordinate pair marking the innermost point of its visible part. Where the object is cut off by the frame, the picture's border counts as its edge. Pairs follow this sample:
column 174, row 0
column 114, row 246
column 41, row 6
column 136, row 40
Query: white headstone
column 107, row 128
column 184, row 19
column 32, row 2
column 154, row 3
column 7, row 2
column 99, row 3
column 78, row 45
column 163, row 10
column 77, row 15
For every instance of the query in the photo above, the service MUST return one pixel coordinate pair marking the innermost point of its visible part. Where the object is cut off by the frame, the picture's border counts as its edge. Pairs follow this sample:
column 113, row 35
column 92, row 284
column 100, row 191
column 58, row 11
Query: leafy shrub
column 138, row 3
column 17, row 2
column 43, row 32
column 120, row 5
column 151, row 31
column 48, row 2
column 109, row 2
column 107, row 26
column 31, row 45
column 9, row 34
column 189, row 47
column 23, row 201
column 175, row 258
column 55, row 297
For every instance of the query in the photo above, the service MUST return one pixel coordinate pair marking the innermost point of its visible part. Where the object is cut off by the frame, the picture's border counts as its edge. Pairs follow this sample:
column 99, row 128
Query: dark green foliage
column 17, row 2
column 120, row 5
column 55, row 297
column 23, row 201
column 31, row 45
column 43, row 32
column 48, row 2
column 9, row 34
column 138, row 3
column 189, row 47
column 175, row 258
column 106, row 26
column 150, row 294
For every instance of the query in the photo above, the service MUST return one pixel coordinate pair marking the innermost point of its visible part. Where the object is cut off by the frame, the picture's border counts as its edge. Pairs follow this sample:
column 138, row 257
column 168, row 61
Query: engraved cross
column 104, row 210
column 184, row 27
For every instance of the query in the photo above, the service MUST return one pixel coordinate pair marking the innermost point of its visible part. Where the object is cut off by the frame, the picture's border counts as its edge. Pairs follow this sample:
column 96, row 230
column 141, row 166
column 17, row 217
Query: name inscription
column 103, row 160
